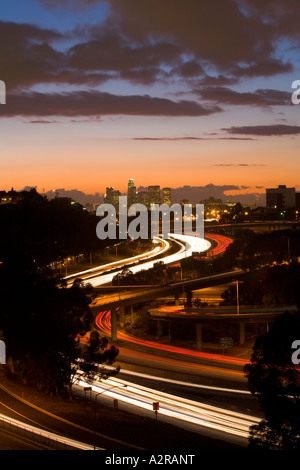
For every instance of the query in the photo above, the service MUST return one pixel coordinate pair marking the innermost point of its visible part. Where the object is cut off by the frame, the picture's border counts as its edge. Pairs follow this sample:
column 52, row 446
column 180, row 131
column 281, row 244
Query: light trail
column 103, row 322
column 185, row 384
column 87, row 274
column 222, row 244
column 188, row 245
column 170, row 406
column 32, row 430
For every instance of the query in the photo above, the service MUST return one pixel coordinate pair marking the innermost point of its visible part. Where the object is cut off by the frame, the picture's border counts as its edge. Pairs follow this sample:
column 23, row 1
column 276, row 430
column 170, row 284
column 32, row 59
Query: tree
column 42, row 322
column 275, row 380
column 270, row 286
column 46, row 231
column 95, row 351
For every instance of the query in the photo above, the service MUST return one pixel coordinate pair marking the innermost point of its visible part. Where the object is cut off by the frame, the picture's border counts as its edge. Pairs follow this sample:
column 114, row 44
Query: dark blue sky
column 58, row 17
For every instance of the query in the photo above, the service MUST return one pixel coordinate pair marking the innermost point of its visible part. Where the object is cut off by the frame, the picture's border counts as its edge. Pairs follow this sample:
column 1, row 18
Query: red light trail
column 222, row 244
column 103, row 322
column 103, row 319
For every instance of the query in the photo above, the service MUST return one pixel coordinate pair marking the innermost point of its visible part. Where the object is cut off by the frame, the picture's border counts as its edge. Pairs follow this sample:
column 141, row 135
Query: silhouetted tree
column 275, row 380
column 269, row 286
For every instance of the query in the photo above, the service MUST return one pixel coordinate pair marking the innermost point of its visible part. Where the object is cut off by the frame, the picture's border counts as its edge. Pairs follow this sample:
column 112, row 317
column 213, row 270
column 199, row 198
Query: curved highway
column 188, row 245
column 218, row 422
column 91, row 274
column 103, row 322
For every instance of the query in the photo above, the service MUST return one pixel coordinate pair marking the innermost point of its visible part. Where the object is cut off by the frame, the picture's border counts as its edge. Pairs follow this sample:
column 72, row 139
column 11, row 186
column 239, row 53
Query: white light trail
column 192, row 244
column 193, row 412
column 45, row 434
column 186, row 384
column 106, row 267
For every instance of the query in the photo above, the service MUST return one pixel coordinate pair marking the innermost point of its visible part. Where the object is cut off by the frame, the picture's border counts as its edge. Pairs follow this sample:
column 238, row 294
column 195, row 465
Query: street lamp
column 96, row 396
column 237, row 297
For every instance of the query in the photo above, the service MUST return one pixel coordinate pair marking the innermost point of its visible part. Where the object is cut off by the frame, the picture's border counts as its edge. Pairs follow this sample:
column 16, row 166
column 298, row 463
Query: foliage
column 275, row 380
column 41, row 318
column 95, row 351
column 270, row 286
column 269, row 248
column 45, row 230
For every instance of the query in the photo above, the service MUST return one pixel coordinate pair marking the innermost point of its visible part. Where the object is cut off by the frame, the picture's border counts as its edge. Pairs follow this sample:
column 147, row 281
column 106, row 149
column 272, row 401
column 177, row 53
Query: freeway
column 187, row 246
column 103, row 322
column 196, row 416
column 221, row 243
column 161, row 247
column 222, row 422
column 12, row 442
column 20, row 415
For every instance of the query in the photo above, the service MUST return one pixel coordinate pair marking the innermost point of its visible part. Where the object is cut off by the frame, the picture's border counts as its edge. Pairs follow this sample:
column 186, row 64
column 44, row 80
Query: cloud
column 239, row 164
column 42, row 121
column 189, row 138
column 94, row 103
column 261, row 98
column 169, row 138
column 216, row 43
column 238, row 39
column 109, row 52
column 76, row 195
column 27, row 57
column 265, row 130
column 266, row 68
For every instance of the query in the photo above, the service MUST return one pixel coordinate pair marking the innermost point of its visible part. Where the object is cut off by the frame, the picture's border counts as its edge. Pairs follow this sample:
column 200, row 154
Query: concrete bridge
column 209, row 316
column 116, row 302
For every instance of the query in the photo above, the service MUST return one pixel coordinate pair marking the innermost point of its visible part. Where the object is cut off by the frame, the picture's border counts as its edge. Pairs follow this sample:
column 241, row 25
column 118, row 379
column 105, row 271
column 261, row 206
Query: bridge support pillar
column 199, row 335
column 113, row 323
column 121, row 312
column 131, row 313
column 189, row 298
column 159, row 327
column 170, row 330
column 242, row 332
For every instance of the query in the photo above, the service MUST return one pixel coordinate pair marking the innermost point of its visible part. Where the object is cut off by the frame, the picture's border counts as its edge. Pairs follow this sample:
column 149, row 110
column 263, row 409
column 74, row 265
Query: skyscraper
column 154, row 195
column 131, row 193
column 167, row 196
column 143, row 198
column 112, row 197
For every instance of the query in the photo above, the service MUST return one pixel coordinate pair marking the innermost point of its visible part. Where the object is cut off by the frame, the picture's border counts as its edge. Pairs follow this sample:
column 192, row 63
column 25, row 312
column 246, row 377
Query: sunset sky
column 163, row 91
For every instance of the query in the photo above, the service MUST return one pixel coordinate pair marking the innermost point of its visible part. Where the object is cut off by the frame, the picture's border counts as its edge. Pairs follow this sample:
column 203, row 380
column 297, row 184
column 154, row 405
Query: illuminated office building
column 112, row 197
column 131, row 193
column 154, row 195
column 281, row 198
column 167, row 196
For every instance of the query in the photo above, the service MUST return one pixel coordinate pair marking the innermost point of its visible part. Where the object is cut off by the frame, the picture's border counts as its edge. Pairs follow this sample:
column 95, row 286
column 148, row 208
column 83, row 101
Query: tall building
column 130, row 182
column 131, row 193
column 143, row 198
column 281, row 198
column 154, row 195
column 112, row 197
column 167, row 196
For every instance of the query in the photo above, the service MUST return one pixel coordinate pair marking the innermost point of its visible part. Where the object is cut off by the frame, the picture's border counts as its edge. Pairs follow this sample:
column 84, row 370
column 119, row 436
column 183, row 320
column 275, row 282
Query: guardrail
column 41, row 437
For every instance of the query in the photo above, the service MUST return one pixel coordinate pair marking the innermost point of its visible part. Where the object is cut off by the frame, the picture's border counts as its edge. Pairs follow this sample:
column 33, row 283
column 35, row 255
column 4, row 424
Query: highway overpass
column 210, row 316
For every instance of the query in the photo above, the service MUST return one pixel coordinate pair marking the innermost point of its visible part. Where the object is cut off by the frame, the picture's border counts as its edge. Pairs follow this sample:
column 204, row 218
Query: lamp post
column 96, row 396
column 237, row 297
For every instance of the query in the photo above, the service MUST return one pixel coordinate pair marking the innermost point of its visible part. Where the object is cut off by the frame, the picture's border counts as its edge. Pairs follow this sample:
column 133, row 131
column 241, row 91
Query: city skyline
column 198, row 97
